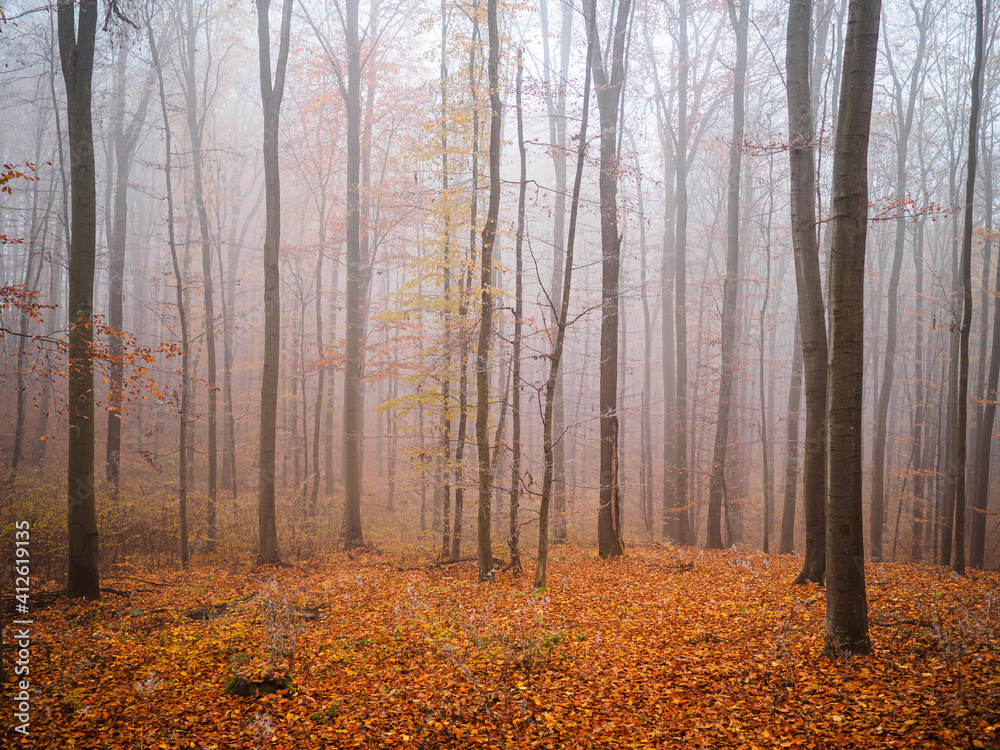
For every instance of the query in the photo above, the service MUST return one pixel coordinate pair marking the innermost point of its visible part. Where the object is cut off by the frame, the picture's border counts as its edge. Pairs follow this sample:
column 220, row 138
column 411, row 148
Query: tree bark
column 984, row 443
column 905, row 121
column 271, row 94
column 353, row 437
column 808, row 284
column 958, row 468
column 609, row 88
column 513, row 539
column 548, row 438
column 787, row 544
column 485, row 553
column 681, row 531
column 76, row 52
column 717, row 481
column 846, row 602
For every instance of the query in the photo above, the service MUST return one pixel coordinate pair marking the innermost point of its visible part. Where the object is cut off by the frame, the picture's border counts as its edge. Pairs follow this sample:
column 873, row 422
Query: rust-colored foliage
column 641, row 652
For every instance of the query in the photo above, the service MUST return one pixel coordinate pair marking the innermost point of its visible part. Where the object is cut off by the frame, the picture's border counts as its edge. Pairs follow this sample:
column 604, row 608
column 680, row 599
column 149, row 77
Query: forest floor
column 384, row 651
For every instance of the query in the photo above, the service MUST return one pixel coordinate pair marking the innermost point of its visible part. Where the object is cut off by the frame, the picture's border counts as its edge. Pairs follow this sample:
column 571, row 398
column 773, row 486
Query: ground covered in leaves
column 383, row 651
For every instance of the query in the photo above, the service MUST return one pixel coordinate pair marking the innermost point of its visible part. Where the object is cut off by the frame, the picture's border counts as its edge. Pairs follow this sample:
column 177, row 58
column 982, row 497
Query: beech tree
column 77, row 39
column 808, row 283
column 846, row 601
column 609, row 86
column 271, row 92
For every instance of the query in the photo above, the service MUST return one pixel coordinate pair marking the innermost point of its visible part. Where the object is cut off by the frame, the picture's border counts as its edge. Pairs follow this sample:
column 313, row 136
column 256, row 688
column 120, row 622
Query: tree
column 609, row 87
column 555, row 107
column 195, row 126
column 958, row 469
column 548, row 418
column 271, row 92
column 483, row 546
column 682, row 526
column 846, row 603
column 808, row 283
column 353, row 437
column 77, row 39
column 904, row 123
column 185, row 405
column 786, row 545
column 513, row 540
column 125, row 137
column 717, row 482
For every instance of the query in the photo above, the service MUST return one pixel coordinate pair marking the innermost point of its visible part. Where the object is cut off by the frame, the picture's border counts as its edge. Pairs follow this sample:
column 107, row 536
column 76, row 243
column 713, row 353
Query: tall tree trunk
column 962, row 405
column 76, row 52
column 905, row 121
column 984, row 443
column 609, row 88
column 555, row 104
column 808, row 284
column 353, row 436
column 846, row 603
column 645, row 418
column 321, row 355
column 513, row 539
column 271, row 94
column 548, row 438
column 444, row 507
column 124, row 139
column 195, row 124
column 717, row 482
column 485, row 553
column 183, row 437
column 681, row 532
column 765, row 456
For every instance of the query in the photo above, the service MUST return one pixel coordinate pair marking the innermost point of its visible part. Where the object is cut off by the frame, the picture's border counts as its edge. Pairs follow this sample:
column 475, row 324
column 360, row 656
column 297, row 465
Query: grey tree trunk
column 846, row 602
column 984, row 446
column 484, row 548
column 513, row 538
column 124, row 137
column 609, row 88
column 740, row 23
column 904, row 119
column 271, row 94
column 681, row 531
column 958, row 468
column 548, row 438
column 555, row 104
column 185, row 405
column 786, row 545
column 195, row 125
column 353, row 435
column 808, row 284
column 76, row 53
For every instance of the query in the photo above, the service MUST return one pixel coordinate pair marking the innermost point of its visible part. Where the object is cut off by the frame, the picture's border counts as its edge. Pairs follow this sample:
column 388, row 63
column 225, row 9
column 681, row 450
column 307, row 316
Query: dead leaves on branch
column 636, row 653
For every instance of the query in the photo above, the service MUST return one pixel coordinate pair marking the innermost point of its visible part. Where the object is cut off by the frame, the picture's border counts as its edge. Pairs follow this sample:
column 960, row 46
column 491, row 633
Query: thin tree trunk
column 905, row 121
column 985, row 428
column 513, row 539
column 541, row 565
column 681, row 527
column 485, row 553
column 183, row 438
column 271, row 94
column 740, row 25
column 787, row 544
column 808, row 284
column 962, row 406
column 353, row 436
